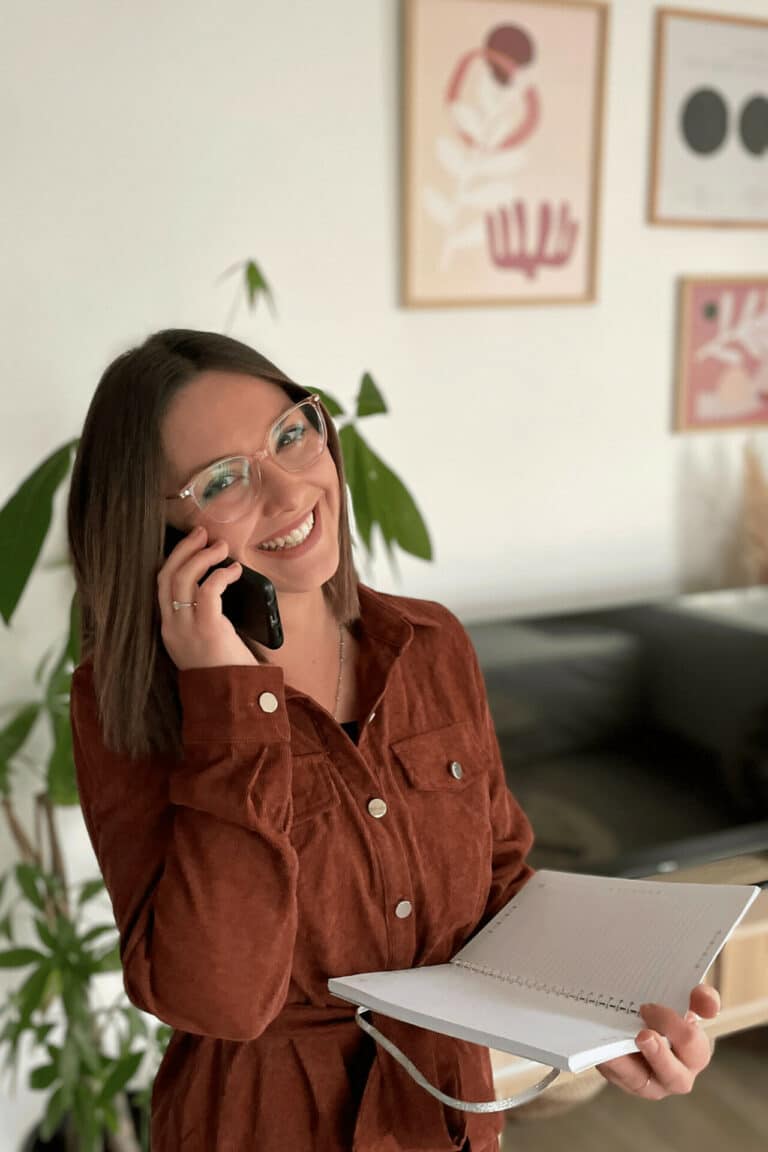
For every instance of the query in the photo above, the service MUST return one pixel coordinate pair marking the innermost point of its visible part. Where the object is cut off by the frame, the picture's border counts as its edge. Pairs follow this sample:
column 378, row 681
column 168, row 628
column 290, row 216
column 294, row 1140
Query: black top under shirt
column 352, row 729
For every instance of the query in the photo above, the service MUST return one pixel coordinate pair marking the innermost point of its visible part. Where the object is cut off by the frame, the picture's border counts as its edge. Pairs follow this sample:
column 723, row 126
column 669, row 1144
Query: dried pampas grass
column 755, row 553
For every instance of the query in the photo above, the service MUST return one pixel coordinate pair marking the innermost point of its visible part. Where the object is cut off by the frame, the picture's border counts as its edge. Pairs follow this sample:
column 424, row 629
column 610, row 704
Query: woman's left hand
column 660, row 1070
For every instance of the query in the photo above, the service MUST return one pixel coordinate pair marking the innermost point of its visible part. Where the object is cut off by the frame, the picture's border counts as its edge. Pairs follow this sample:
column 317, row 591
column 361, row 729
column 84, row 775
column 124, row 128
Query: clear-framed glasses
column 227, row 489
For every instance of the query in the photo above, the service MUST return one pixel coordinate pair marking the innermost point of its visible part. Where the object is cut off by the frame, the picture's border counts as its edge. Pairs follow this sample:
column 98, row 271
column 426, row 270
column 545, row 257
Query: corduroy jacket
column 277, row 853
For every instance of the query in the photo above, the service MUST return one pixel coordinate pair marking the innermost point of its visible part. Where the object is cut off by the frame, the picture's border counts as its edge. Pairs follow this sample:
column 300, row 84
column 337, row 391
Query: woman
column 267, row 819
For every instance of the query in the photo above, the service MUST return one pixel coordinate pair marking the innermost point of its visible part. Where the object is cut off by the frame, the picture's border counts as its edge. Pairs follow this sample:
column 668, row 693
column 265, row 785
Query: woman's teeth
column 293, row 539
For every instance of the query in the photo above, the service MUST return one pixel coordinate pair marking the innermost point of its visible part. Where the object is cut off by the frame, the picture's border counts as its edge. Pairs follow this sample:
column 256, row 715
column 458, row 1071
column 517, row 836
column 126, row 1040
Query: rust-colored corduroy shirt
column 245, row 875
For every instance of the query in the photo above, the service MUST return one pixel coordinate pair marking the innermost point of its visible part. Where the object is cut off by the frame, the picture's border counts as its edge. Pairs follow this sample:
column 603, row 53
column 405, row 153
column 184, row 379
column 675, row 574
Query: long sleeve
column 196, row 854
column 511, row 829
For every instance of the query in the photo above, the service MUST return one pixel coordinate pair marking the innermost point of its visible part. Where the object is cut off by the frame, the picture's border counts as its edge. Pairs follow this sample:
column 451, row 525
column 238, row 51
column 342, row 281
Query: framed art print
column 503, row 109
column 722, row 375
column 709, row 163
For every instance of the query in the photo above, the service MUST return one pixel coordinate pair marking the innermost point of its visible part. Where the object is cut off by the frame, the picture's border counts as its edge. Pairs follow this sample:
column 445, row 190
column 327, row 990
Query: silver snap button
column 456, row 770
column 268, row 702
column 377, row 807
column 403, row 909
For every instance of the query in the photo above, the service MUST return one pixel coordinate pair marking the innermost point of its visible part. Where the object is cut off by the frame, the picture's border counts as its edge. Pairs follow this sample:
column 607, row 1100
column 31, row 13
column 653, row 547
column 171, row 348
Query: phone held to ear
column 250, row 604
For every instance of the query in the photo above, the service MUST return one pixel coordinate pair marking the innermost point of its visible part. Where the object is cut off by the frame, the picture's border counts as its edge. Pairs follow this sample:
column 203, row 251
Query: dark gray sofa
column 636, row 737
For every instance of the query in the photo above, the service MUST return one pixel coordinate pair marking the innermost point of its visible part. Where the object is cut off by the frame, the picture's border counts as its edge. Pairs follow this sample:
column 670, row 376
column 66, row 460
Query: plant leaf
column 99, row 930
column 370, row 401
column 45, row 934
column 109, row 961
column 42, row 1077
column 90, row 889
column 54, row 1114
column 89, row 1053
column 24, row 523
column 20, row 957
column 32, row 992
column 392, row 506
column 27, row 876
column 123, row 1071
column 86, row 1122
column 332, row 405
column 354, row 467
column 62, row 784
column 256, row 285
column 69, row 1062
column 12, row 738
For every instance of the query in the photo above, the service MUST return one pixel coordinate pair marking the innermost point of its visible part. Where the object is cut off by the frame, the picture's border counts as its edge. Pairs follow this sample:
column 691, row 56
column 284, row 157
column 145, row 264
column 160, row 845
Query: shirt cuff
column 235, row 702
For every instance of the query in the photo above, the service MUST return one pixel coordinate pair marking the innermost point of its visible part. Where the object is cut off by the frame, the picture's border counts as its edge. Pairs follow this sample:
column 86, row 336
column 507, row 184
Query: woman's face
column 227, row 414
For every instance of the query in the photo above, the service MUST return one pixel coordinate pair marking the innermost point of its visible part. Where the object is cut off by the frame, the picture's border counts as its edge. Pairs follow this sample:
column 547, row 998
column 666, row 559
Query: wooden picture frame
column 710, row 120
column 502, row 151
column 722, row 353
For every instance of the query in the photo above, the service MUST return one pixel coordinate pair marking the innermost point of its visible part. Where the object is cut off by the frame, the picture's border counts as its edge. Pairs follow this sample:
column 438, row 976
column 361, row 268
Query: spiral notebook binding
column 581, row 995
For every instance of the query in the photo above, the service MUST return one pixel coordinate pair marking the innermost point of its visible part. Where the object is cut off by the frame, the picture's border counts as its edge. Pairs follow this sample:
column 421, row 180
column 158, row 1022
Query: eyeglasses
column 227, row 489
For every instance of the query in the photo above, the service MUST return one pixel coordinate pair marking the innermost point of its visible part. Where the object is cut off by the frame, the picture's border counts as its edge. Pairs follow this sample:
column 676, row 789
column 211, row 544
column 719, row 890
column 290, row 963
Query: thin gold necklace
column 341, row 669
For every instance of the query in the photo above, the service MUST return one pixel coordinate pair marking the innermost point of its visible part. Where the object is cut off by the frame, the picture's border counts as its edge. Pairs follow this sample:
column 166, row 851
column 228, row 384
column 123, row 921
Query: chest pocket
column 447, row 759
column 314, row 791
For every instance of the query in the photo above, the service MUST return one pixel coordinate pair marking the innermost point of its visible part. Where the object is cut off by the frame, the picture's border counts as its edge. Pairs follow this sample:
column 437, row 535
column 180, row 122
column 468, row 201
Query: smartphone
column 250, row 604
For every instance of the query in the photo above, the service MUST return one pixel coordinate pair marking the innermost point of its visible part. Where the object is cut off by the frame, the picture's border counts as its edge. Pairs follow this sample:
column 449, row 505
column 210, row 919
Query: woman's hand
column 200, row 637
column 660, row 1070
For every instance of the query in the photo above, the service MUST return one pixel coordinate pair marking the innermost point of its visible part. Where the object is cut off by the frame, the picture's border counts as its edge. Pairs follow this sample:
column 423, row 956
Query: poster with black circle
column 710, row 147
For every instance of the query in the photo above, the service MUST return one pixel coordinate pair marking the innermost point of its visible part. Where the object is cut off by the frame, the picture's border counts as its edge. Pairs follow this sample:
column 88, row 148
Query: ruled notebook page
column 613, row 943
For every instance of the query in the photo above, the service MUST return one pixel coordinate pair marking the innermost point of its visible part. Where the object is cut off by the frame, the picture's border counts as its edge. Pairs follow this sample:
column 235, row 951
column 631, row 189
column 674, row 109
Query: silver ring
column 184, row 604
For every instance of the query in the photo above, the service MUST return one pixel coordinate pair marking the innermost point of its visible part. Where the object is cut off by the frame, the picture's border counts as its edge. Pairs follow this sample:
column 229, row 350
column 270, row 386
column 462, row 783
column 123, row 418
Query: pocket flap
column 313, row 788
column 444, row 758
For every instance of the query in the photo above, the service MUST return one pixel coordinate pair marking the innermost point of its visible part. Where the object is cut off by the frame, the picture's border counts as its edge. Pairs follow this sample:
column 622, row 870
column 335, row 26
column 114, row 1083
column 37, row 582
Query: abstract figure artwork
column 709, row 163
column 503, row 111
column 722, row 379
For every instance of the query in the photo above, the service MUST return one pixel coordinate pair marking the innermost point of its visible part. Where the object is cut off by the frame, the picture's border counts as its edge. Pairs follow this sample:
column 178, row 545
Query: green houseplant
column 84, row 1057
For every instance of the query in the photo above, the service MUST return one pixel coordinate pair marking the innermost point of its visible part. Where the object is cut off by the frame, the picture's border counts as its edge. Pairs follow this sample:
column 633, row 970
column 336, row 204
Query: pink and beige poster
column 503, row 110
column 722, row 379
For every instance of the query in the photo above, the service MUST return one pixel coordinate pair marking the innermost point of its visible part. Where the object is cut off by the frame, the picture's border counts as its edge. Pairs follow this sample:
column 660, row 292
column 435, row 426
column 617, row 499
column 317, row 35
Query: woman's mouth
column 298, row 540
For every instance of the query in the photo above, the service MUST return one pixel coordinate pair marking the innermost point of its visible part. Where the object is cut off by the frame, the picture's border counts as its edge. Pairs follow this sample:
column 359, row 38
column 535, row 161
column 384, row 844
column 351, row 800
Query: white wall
column 147, row 147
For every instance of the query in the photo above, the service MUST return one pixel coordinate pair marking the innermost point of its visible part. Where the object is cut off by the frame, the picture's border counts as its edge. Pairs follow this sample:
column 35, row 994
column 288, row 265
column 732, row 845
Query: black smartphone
column 250, row 604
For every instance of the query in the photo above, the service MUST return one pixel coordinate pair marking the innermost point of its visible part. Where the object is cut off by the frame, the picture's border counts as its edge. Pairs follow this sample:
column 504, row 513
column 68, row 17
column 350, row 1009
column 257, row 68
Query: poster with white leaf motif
column 503, row 113
column 723, row 353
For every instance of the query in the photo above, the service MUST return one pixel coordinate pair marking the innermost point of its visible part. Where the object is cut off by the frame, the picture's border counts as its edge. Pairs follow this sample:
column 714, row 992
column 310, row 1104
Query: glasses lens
column 298, row 439
column 223, row 490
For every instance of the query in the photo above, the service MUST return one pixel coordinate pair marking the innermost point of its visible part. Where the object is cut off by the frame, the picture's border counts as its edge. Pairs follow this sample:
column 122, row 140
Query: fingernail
column 691, row 1017
column 648, row 1043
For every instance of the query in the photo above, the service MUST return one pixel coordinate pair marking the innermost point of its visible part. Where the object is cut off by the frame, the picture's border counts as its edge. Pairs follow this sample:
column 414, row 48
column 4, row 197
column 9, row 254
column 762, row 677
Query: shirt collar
column 393, row 618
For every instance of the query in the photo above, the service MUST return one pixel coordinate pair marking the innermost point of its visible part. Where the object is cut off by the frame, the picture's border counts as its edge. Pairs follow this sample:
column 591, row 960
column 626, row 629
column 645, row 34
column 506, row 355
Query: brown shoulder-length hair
column 116, row 528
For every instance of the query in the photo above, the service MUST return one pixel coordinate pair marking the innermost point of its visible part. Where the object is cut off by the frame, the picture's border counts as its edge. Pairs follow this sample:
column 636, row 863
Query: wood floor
column 726, row 1112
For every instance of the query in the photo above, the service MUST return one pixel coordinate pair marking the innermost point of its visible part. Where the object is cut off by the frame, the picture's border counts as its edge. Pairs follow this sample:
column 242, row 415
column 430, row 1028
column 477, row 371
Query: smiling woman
column 266, row 821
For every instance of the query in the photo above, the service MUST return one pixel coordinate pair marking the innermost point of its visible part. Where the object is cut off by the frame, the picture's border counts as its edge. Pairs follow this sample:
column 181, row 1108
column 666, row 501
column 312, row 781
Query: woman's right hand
column 200, row 637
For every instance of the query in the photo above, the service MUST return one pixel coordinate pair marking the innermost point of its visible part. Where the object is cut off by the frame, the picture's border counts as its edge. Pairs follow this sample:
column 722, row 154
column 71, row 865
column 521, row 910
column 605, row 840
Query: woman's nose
column 281, row 491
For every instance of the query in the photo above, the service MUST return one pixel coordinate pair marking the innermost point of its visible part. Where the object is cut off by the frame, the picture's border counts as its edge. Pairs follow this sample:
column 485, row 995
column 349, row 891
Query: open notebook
column 560, row 972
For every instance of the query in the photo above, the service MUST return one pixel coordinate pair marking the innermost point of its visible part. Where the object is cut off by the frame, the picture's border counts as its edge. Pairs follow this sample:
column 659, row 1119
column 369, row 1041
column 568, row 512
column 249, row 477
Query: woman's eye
column 293, row 435
column 217, row 485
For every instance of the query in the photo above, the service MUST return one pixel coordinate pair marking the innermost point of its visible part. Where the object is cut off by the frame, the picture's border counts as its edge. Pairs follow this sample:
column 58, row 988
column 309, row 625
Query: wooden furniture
column 740, row 975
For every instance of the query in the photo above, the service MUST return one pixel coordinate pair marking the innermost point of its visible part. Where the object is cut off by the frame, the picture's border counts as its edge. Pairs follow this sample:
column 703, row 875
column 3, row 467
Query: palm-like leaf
column 24, row 523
